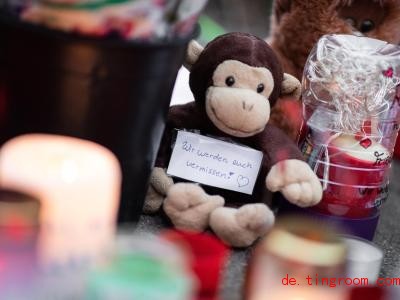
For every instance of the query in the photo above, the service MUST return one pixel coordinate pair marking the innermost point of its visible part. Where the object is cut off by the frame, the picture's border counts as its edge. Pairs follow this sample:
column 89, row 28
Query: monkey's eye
column 260, row 88
column 367, row 25
column 230, row 81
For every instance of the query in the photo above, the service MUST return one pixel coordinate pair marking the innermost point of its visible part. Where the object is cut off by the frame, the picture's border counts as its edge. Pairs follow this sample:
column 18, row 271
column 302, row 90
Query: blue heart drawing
column 242, row 181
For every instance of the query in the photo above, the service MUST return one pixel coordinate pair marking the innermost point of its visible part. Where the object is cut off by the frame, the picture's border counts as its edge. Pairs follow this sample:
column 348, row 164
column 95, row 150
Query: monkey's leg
column 240, row 227
column 189, row 207
column 159, row 184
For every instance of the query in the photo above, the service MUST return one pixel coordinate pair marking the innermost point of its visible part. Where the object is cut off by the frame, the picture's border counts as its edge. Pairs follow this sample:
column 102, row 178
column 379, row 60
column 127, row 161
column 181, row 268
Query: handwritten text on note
column 215, row 163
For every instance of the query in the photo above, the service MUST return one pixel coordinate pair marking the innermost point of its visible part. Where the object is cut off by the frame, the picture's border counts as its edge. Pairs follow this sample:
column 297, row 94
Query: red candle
column 355, row 174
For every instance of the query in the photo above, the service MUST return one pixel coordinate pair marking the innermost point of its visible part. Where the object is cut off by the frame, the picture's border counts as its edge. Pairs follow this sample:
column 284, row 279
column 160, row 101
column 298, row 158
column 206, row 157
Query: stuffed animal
column 297, row 25
column 235, row 80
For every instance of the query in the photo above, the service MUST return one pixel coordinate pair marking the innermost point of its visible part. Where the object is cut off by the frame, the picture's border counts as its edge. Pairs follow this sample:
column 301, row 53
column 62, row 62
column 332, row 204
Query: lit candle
column 296, row 261
column 357, row 177
column 78, row 183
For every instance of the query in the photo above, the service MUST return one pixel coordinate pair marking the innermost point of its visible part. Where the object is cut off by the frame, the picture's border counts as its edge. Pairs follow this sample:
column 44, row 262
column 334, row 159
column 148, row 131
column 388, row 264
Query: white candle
column 78, row 183
column 364, row 258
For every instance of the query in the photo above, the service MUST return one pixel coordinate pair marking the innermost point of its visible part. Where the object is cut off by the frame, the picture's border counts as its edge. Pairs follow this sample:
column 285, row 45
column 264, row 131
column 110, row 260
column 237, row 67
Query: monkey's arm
column 277, row 146
column 287, row 171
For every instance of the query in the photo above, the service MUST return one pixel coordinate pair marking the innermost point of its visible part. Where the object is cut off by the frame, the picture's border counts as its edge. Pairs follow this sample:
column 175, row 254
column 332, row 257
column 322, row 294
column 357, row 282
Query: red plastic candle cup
column 208, row 257
column 355, row 174
column 19, row 228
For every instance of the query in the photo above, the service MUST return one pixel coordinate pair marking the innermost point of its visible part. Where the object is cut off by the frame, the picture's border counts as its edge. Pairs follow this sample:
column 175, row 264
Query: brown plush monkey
column 235, row 81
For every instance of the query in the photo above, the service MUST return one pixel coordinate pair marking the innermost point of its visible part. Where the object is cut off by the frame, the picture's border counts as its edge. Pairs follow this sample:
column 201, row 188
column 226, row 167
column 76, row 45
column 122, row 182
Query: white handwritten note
column 215, row 163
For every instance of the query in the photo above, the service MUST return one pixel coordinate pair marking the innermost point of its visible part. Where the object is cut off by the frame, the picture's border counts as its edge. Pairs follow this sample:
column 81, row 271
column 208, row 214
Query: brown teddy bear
column 297, row 25
column 235, row 80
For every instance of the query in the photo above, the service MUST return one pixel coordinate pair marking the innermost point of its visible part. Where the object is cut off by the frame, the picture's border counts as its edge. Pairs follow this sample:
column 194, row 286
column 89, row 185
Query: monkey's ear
column 192, row 54
column 291, row 87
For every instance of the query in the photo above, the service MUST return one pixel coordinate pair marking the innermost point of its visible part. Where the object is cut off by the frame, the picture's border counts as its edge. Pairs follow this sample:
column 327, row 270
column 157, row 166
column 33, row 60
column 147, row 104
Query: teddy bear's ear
column 281, row 7
column 291, row 86
column 192, row 54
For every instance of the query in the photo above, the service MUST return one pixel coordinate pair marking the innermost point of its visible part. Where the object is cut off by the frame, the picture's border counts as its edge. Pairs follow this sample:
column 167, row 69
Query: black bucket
column 112, row 92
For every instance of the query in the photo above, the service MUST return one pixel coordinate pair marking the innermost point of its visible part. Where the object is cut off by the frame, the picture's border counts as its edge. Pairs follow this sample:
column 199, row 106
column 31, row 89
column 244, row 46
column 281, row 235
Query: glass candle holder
column 351, row 109
column 298, row 259
column 354, row 169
